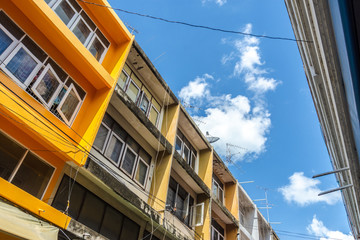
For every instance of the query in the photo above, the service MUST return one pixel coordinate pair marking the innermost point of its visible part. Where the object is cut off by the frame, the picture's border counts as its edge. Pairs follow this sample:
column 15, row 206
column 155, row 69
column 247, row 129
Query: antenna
column 229, row 154
column 210, row 138
column 132, row 28
column 267, row 204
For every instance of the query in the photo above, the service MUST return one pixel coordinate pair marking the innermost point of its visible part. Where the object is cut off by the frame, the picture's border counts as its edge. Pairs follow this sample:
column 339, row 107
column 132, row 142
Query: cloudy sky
column 253, row 94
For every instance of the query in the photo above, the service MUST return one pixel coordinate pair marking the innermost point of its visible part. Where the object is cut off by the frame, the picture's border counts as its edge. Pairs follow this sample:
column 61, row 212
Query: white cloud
column 304, row 191
column 218, row 2
column 248, row 63
column 233, row 119
column 317, row 228
column 195, row 89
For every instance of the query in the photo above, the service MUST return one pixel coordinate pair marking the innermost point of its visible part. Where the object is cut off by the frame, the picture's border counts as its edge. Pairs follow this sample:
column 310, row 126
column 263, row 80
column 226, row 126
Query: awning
column 14, row 221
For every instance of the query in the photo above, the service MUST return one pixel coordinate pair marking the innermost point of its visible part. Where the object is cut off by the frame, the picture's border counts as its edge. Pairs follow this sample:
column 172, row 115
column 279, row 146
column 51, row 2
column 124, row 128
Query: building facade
column 95, row 145
column 328, row 33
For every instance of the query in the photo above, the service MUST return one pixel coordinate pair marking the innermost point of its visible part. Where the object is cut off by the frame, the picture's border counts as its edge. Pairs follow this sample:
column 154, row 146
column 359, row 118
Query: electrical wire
column 199, row 26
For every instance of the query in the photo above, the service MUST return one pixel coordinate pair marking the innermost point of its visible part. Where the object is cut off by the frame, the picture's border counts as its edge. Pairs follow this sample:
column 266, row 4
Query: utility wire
column 199, row 26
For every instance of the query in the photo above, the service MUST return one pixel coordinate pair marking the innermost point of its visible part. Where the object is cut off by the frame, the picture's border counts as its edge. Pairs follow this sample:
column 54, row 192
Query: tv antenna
column 132, row 29
column 267, row 204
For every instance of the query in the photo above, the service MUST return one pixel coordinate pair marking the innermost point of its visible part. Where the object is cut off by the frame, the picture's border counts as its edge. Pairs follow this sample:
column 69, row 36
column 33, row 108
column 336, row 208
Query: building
column 59, row 65
column 331, row 62
column 95, row 145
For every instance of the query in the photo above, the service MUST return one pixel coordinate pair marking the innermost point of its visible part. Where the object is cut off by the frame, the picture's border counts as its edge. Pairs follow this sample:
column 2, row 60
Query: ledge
column 143, row 119
column 192, row 174
column 226, row 211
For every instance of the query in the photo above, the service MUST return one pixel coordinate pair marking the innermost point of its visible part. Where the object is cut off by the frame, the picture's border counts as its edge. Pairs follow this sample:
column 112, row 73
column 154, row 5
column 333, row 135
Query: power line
column 200, row 26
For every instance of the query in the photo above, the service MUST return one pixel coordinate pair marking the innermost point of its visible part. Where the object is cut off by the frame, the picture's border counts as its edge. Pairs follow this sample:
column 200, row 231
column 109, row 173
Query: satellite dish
column 211, row 139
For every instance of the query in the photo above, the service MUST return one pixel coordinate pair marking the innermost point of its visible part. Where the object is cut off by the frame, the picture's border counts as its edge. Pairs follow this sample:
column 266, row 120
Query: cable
column 200, row 26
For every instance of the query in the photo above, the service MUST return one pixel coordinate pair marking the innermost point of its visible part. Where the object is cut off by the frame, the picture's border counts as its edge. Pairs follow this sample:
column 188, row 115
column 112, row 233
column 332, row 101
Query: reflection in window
column 122, row 150
column 23, row 168
column 94, row 212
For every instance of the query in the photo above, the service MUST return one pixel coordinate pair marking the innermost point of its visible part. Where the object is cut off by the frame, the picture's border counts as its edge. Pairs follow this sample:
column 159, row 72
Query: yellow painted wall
column 206, row 166
column 32, row 204
column 231, row 199
column 40, row 23
column 231, row 232
column 161, row 176
column 205, row 229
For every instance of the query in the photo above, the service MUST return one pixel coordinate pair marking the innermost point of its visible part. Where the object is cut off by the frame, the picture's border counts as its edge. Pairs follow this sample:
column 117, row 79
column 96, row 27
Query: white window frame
column 73, row 19
column 158, row 116
column 127, row 88
column 219, row 234
column 194, row 212
column 77, row 20
column 126, row 81
column 32, row 74
column 56, row 92
column 148, row 107
column 218, row 191
column 146, row 174
column 71, row 87
column 183, row 152
column 106, row 139
column 241, row 218
column 123, row 158
column 182, row 144
column 108, row 144
column 191, row 159
column 19, row 164
column 91, row 42
column 11, row 46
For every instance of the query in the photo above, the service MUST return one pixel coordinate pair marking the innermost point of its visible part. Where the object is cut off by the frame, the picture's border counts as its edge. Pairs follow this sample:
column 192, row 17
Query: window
column 217, row 232
column 185, row 149
column 217, row 188
column 139, row 94
column 23, row 168
column 75, row 18
column 180, row 203
column 34, row 71
column 106, row 220
column 122, row 150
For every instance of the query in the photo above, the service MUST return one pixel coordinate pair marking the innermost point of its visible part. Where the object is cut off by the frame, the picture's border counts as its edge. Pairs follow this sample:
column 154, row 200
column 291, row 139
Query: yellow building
column 95, row 145
column 59, row 64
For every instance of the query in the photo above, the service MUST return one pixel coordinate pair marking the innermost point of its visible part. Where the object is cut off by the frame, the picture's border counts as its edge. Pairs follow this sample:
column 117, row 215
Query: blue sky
column 252, row 93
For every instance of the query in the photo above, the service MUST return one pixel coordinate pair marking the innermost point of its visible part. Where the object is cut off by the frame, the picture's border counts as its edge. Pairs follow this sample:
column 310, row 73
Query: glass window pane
column 33, row 175
column 216, row 235
column 193, row 161
column 132, row 91
column 65, row 12
column 101, row 137
column 186, row 153
column 215, row 189
column 170, row 199
column 111, row 224
column 178, row 144
column 96, row 48
column 5, row 41
column 129, row 161
column 130, row 230
column 153, row 116
column 92, row 211
column 122, row 80
column 141, row 171
column 70, row 104
column 47, row 86
column 144, row 105
column 114, row 148
column 81, row 31
column 21, row 65
column 10, row 155
column 76, row 198
column 220, row 195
